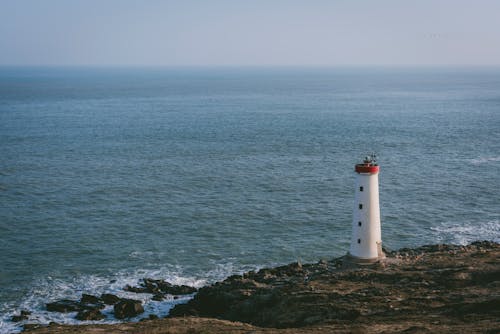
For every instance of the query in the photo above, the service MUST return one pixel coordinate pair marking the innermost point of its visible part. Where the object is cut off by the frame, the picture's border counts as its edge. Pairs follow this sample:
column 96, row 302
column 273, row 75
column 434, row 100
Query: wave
column 50, row 289
column 464, row 234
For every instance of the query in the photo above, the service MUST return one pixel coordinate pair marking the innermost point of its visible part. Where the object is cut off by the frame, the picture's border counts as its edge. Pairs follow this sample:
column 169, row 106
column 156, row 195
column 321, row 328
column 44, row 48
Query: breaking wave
column 464, row 234
column 50, row 289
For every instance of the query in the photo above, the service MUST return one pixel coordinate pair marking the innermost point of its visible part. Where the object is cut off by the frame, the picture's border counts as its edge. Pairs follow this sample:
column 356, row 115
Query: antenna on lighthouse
column 366, row 241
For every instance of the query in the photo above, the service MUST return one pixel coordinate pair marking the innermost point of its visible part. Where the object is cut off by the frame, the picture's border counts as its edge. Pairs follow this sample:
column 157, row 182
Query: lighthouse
column 366, row 242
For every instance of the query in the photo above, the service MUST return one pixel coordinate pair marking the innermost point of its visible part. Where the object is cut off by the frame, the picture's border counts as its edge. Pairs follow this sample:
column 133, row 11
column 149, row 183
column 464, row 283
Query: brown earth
column 431, row 289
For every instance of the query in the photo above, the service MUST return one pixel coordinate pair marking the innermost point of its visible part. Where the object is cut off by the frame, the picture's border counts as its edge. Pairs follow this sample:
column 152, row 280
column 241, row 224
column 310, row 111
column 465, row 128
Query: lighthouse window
column 359, row 223
column 359, row 241
column 361, row 206
column 360, row 188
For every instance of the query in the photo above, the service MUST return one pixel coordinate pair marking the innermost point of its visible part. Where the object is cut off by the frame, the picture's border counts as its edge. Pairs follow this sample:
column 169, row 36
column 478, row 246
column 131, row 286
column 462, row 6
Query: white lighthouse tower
column 366, row 242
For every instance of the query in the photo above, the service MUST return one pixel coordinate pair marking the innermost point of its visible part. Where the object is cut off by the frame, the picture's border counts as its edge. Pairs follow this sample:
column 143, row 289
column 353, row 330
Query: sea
column 109, row 175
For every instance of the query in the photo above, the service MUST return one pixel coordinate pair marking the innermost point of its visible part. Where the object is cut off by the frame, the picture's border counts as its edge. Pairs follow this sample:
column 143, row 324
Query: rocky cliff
column 438, row 288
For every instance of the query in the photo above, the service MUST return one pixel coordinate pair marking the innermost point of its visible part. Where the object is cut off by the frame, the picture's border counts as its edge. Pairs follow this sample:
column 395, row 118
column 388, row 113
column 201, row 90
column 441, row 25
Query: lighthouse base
column 358, row 260
column 373, row 255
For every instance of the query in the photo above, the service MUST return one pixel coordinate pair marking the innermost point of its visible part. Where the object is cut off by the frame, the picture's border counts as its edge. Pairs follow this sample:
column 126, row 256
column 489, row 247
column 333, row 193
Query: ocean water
column 109, row 175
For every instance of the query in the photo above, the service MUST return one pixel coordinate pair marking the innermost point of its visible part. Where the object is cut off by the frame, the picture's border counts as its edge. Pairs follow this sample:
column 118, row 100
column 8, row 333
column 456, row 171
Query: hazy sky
column 251, row 32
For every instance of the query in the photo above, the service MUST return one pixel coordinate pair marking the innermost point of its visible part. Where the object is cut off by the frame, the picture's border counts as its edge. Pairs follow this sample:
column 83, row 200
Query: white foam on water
column 483, row 160
column 50, row 289
column 450, row 232
column 141, row 254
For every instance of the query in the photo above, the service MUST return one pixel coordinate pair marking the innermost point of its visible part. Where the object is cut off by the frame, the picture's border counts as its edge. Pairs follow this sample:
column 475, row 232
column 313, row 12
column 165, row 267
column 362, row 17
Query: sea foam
column 50, row 289
column 462, row 234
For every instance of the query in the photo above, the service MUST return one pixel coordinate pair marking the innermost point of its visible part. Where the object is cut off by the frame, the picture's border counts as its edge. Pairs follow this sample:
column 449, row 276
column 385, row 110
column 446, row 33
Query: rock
column 179, row 290
column 64, row 306
column 89, row 302
column 109, row 299
column 428, row 282
column 29, row 327
column 24, row 315
column 153, row 286
column 430, row 289
column 90, row 315
column 17, row 318
column 128, row 308
column 234, row 277
column 129, row 288
column 490, row 306
column 89, row 299
column 183, row 310
column 416, row 330
column 153, row 317
column 158, row 297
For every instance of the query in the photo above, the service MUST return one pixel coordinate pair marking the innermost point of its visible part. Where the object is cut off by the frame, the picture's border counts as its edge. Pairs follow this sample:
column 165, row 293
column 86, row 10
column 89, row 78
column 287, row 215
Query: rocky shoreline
column 437, row 288
column 88, row 307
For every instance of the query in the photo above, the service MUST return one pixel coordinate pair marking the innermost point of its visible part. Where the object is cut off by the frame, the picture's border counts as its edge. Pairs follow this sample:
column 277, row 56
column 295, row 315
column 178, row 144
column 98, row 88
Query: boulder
column 109, row 299
column 128, row 308
column 154, row 286
column 24, row 315
column 89, row 299
column 90, row 315
column 136, row 289
column 158, row 297
column 179, row 290
column 64, row 306
column 29, row 327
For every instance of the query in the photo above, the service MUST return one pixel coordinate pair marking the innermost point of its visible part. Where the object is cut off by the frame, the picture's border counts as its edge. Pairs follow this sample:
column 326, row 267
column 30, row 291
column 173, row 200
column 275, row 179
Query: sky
column 250, row 32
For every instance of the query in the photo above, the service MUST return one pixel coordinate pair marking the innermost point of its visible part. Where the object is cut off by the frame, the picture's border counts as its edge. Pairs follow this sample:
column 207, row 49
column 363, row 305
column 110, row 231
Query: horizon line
column 250, row 65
